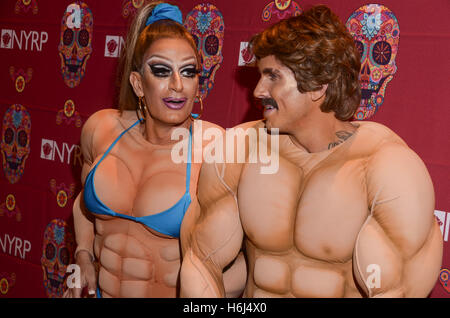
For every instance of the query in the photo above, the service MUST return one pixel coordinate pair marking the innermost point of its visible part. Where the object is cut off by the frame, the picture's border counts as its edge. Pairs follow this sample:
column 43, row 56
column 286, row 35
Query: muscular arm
column 84, row 226
column 215, row 239
column 398, row 252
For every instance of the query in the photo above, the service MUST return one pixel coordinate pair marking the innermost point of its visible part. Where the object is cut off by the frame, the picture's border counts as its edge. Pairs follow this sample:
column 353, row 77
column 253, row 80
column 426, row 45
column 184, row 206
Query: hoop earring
column 198, row 116
column 141, row 109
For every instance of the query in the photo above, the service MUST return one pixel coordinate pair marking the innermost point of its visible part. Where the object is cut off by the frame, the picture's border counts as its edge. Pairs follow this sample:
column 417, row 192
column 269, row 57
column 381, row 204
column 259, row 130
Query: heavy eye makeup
column 190, row 71
column 162, row 70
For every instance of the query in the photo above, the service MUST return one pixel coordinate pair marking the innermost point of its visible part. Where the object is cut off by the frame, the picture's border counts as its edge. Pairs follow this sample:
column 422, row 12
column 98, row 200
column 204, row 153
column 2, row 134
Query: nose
column 176, row 83
column 260, row 90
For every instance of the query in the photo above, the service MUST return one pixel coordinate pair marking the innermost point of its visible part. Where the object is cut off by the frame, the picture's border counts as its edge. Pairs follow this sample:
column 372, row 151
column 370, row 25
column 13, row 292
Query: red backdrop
column 42, row 116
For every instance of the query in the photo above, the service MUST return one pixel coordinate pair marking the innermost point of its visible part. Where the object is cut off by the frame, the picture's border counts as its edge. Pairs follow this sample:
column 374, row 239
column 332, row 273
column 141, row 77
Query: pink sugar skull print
column 376, row 33
column 75, row 45
column 15, row 143
column 206, row 24
column 58, row 248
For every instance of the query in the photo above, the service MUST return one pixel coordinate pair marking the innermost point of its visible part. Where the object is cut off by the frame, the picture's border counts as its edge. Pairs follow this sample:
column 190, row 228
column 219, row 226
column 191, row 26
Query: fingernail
column 91, row 292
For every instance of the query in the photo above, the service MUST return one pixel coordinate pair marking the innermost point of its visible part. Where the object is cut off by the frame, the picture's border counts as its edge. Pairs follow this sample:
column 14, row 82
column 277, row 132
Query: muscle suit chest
column 308, row 219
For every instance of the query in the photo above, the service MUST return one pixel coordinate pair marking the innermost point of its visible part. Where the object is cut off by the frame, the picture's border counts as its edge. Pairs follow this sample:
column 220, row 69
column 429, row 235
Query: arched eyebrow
column 186, row 59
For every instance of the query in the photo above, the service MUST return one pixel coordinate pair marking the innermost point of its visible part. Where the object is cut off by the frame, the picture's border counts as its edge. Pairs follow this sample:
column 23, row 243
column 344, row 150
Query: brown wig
column 319, row 50
column 139, row 39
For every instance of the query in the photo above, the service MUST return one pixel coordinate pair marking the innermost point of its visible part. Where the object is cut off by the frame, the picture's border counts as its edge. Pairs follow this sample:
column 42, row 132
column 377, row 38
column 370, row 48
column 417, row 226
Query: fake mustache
column 269, row 101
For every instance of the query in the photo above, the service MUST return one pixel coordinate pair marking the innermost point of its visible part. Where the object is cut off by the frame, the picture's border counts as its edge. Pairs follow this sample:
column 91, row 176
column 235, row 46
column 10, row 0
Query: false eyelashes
column 161, row 70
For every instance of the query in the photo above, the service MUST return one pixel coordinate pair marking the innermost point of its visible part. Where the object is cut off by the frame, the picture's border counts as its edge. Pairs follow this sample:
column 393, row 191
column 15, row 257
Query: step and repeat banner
column 58, row 65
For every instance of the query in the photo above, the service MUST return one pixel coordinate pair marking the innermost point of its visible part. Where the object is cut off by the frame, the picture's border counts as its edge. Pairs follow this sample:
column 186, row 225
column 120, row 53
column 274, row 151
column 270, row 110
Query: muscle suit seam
column 371, row 215
column 207, row 285
column 227, row 187
column 360, row 272
column 358, row 268
column 208, row 256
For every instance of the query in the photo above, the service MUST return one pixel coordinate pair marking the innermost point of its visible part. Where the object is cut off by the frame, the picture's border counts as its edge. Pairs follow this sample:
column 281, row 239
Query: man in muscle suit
column 349, row 213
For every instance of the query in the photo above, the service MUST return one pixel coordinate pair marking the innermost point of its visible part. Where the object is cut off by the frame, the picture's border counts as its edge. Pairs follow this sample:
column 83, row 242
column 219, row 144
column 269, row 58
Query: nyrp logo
column 246, row 57
column 23, row 40
column 7, row 42
column 443, row 219
column 15, row 246
column 51, row 150
column 113, row 45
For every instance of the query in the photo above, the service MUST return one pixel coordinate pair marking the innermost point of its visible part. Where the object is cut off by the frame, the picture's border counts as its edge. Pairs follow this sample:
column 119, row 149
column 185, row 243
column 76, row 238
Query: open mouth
column 270, row 105
column 174, row 103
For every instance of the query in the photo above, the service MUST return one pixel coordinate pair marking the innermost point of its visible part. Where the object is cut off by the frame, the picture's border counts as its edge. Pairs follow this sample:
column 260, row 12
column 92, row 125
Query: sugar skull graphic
column 68, row 114
column 75, row 46
column 20, row 77
column 282, row 8
column 10, row 208
column 130, row 7
column 57, row 254
column 62, row 192
column 6, row 282
column 376, row 33
column 444, row 275
column 26, row 5
column 15, row 144
column 206, row 24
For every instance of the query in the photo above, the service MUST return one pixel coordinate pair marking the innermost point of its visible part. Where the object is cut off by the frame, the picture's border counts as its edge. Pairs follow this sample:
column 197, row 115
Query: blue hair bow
column 165, row 11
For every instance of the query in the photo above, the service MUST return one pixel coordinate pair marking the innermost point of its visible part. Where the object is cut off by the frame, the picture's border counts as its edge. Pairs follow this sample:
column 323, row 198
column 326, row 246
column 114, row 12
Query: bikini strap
column 115, row 141
column 189, row 160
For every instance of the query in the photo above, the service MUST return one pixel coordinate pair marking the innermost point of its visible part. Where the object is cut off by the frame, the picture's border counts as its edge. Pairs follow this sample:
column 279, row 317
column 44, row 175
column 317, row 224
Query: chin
column 176, row 119
column 269, row 125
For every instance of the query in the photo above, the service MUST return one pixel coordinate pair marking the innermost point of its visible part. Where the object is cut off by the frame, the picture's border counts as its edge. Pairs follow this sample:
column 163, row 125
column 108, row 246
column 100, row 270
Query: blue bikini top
column 167, row 222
